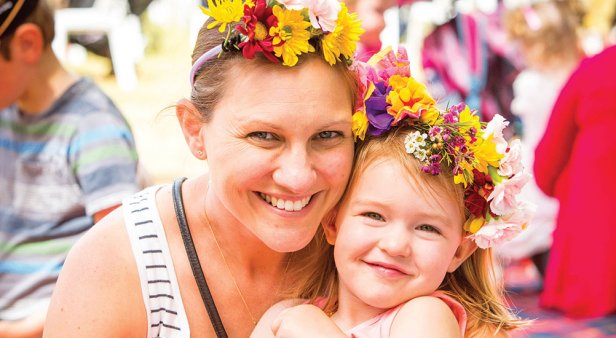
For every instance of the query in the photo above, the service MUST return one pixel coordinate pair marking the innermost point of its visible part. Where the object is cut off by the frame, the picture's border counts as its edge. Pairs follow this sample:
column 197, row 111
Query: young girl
column 427, row 189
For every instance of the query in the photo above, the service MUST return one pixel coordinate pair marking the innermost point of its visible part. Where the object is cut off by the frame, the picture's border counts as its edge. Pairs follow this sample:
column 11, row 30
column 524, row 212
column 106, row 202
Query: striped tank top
column 159, row 286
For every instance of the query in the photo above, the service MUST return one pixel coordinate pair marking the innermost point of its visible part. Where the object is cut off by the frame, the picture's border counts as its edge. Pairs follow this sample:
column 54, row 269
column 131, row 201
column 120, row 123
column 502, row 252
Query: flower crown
column 282, row 30
column 481, row 159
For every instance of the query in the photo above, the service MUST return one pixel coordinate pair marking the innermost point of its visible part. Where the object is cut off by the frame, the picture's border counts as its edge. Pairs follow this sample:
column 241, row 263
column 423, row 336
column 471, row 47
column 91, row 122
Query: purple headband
column 201, row 60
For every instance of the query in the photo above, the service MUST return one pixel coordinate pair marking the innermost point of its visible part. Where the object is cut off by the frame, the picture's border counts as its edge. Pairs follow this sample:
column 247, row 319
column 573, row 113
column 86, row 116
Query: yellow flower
column 290, row 35
column 468, row 120
column 223, row 12
column 474, row 224
column 485, row 154
column 408, row 97
column 466, row 177
column 360, row 124
column 343, row 40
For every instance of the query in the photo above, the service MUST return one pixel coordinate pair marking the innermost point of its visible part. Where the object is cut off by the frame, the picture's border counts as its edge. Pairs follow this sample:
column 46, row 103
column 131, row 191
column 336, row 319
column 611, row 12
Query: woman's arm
column 425, row 316
column 98, row 293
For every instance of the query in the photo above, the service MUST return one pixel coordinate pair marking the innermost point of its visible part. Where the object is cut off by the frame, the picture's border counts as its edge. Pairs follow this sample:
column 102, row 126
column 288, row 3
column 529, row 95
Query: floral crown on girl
column 282, row 30
column 481, row 159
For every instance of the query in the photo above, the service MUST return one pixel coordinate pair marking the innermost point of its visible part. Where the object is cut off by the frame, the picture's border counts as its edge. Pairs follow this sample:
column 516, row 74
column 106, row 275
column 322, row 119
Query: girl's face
column 279, row 148
column 393, row 242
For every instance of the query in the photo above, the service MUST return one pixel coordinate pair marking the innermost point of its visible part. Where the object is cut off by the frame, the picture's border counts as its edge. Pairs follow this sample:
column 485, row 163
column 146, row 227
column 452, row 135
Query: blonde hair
column 210, row 81
column 42, row 16
column 556, row 37
column 473, row 284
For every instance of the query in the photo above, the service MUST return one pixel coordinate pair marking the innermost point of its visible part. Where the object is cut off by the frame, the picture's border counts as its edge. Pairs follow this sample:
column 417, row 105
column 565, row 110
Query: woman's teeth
column 284, row 204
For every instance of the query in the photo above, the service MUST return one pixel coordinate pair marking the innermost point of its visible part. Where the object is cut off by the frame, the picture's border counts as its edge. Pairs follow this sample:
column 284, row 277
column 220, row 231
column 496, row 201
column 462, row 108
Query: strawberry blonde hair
column 473, row 284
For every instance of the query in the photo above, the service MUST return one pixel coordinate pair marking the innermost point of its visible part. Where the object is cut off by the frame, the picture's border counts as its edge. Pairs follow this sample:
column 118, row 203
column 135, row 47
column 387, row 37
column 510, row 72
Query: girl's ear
column 329, row 226
column 465, row 249
column 192, row 126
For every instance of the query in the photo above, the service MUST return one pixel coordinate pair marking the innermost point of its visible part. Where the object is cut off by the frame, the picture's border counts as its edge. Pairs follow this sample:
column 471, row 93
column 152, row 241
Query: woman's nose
column 296, row 172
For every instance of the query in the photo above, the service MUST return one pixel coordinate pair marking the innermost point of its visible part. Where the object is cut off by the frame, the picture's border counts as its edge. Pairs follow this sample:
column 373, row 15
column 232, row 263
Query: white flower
column 293, row 4
column 414, row 141
column 503, row 199
column 495, row 232
column 495, row 127
column 420, row 154
column 323, row 13
column 511, row 164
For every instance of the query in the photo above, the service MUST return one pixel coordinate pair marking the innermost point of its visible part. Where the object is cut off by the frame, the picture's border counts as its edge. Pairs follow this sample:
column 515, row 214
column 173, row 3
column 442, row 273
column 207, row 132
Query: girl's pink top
column 380, row 326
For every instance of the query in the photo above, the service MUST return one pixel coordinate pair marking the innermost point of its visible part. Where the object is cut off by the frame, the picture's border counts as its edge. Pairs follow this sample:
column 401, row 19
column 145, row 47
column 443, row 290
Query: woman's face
column 279, row 149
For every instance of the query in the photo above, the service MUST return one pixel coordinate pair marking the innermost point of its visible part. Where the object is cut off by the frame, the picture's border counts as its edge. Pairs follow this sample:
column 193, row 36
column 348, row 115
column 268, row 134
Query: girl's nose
column 296, row 172
column 396, row 241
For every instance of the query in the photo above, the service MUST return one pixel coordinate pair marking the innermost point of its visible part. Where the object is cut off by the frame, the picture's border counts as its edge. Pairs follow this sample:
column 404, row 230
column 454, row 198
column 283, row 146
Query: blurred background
column 507, row 57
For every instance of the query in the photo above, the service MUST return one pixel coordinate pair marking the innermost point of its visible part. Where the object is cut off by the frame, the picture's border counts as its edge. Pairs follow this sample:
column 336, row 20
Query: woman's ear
column 329, row 226
column 465, row 249
column 192, row 126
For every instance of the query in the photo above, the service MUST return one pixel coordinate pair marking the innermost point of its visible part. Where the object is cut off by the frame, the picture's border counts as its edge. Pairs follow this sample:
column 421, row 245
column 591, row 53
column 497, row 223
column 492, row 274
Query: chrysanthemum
column 223, row 12
column 342, row 41
column 290, row 35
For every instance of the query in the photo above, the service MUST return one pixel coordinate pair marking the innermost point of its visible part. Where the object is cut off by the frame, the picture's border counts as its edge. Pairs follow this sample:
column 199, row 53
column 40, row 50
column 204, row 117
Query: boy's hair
column 551, row 26
column 41, row 16
column 473, row 284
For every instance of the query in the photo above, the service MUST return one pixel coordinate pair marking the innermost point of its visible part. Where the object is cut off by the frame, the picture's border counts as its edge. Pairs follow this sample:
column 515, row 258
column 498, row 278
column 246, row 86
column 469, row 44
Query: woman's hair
column 42, row 16
column 473, row 284
column 550, row 26
column 211, row 80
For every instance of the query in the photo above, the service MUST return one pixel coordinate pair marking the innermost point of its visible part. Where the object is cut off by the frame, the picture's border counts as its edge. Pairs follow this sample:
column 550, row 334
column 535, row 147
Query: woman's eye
column 373, row 216
column 329, row 134
column 262, row 135
column 428, row 228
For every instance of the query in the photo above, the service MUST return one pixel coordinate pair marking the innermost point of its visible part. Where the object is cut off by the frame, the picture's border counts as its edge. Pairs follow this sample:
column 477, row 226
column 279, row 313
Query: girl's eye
column 428, row 228
column 373, row 216
column 262, row 135
column 329, row 134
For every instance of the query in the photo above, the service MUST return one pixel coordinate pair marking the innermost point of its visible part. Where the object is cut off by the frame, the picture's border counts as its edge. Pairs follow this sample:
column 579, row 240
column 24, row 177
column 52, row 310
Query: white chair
column 112, row 18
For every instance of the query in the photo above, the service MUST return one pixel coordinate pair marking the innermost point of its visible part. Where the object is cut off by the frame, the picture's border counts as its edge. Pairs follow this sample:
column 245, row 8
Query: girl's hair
column 215, row 74
column 42, row 16
column 473, row 284
column 551, row 26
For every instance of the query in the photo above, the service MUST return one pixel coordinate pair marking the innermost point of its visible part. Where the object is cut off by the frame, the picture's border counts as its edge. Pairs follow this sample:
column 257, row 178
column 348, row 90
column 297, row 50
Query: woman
column 279, row 148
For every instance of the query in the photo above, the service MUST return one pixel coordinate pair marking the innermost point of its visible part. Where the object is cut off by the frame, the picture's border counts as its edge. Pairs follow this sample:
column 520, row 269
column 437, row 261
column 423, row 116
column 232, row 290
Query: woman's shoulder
column 97, row 293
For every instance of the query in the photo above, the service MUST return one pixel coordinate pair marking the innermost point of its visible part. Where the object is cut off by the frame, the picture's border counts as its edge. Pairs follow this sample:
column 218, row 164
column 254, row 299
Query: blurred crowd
column 547, row 66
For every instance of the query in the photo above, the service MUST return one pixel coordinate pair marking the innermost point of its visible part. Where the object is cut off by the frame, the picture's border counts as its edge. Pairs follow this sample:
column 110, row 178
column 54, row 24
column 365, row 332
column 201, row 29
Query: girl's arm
column 287, row 319
column 98, row 293
column 264, row 326
column 425, row 316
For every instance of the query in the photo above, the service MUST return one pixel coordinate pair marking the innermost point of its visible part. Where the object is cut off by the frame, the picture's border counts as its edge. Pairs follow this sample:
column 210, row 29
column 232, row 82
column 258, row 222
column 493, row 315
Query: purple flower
column 379, row 120
column 456, row 109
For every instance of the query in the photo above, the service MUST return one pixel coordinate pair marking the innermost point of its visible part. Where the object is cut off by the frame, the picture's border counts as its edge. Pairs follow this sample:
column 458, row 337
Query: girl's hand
column 305, row 321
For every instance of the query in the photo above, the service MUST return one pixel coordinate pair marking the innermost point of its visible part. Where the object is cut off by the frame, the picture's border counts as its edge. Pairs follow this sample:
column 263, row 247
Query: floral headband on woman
column 282, row 30
column 489, row 168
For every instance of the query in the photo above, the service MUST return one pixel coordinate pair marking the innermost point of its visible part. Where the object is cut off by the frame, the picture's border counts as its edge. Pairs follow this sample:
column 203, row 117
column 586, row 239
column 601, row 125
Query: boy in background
column 67, row 158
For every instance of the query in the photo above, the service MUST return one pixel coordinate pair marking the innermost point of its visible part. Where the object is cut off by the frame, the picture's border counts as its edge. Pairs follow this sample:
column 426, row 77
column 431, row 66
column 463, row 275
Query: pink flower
column 522, row 214
column 388, row 63
column 511, row 164
column 503, row 199
column 495, row 232
column 495, row 127
column 323, row 13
